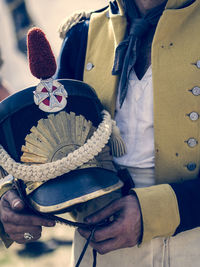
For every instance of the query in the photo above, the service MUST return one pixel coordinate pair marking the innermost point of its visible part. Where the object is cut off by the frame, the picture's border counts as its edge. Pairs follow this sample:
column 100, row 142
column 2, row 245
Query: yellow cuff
column 159, row 209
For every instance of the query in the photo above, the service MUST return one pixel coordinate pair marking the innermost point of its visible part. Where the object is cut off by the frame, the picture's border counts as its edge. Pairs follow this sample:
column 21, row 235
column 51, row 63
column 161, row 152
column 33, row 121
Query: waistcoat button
column 194, row 116
column 198, row 64
column 196, row 91
column 192, row 142
column 89, row 66
column 191, row 166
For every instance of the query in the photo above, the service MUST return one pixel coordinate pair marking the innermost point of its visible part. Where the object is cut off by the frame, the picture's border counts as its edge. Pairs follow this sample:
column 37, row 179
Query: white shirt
column 135, row 121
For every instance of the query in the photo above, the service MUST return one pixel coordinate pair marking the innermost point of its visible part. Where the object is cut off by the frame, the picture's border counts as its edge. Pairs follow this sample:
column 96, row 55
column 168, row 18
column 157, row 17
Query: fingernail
column 16, row 203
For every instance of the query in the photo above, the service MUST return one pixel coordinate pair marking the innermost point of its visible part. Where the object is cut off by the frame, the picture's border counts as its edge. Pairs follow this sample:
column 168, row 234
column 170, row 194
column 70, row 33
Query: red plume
column 42, row 62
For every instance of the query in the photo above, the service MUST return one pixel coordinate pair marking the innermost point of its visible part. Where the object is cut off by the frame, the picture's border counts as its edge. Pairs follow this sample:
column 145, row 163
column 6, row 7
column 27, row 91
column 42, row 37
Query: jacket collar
column 171, row 4
column 174, row 4
column 120, row 19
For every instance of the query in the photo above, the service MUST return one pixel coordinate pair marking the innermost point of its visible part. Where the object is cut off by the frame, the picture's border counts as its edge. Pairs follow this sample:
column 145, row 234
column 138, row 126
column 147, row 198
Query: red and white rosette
column 50, row 96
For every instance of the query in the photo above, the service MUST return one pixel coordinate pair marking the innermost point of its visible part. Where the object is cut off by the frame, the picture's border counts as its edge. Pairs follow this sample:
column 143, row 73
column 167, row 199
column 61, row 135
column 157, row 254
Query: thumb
column 14, row 200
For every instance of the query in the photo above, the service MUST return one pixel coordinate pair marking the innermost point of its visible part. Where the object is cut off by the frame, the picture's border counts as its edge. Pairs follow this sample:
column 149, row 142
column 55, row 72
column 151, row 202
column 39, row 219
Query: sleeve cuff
column 159, row 209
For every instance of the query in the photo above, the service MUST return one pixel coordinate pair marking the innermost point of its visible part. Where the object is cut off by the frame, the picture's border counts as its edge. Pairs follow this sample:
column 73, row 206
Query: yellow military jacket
column 176, row 83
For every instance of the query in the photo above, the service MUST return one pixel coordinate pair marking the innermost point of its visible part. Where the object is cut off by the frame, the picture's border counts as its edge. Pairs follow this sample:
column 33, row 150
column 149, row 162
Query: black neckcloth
column 127, row 50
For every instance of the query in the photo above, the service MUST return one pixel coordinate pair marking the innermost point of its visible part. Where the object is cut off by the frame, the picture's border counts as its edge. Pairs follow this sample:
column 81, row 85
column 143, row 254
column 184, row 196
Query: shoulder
column 76, row 18
column 71, row 21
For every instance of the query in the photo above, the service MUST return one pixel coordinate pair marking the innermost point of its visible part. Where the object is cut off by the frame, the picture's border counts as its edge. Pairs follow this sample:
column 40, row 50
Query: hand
column 125, row 229
column 17, row 221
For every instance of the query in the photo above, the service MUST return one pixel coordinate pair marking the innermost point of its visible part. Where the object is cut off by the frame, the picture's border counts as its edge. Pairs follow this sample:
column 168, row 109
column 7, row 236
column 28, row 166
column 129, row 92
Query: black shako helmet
column 55, row 137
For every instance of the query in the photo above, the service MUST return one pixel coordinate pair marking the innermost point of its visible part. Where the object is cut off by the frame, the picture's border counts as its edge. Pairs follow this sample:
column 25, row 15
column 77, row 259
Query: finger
column 11, row 229
column 106, row 246
column 36, row 220
column 13, row 199
column 19, row 238
column 104, row 213
column 101, row 234
column 14, row 218
column 109, row 232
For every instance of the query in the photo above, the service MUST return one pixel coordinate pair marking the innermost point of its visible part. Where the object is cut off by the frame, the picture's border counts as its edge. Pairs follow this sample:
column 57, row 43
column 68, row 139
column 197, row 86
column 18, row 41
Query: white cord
column 72, row 161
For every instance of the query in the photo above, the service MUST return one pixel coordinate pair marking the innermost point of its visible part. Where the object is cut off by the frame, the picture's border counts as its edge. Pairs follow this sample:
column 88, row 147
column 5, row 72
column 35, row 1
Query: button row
column 196, row 92
column 192, row 142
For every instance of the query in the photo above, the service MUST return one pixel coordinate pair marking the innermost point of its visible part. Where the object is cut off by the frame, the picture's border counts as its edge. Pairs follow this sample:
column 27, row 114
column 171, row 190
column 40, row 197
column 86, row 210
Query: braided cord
column 72, row 161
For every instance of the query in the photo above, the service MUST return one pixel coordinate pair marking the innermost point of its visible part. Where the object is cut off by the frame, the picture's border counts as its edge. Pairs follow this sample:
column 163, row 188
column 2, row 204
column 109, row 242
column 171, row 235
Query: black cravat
column 126, row 52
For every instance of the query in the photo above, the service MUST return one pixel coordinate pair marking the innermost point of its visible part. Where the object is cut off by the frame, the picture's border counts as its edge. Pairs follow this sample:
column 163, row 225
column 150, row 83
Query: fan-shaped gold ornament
column 58, row 135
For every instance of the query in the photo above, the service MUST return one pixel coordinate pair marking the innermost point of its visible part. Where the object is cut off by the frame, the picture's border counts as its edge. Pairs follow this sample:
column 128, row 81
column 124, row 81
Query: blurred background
column 16, row 16
column 47, row 14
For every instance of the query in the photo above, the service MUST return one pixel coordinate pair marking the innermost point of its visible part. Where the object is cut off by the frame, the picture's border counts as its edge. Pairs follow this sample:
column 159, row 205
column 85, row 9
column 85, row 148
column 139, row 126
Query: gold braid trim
column 72, row 161
column 71, row 21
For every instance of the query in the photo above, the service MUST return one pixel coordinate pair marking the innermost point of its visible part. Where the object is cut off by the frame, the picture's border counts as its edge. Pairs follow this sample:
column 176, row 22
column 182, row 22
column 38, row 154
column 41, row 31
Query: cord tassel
column 117, row 145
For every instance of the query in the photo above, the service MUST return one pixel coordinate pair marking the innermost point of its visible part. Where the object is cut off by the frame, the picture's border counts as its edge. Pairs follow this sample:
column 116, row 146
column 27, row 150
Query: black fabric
column 126, row 178
column 72, row 57
column 127, row 50
column 188, row 196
